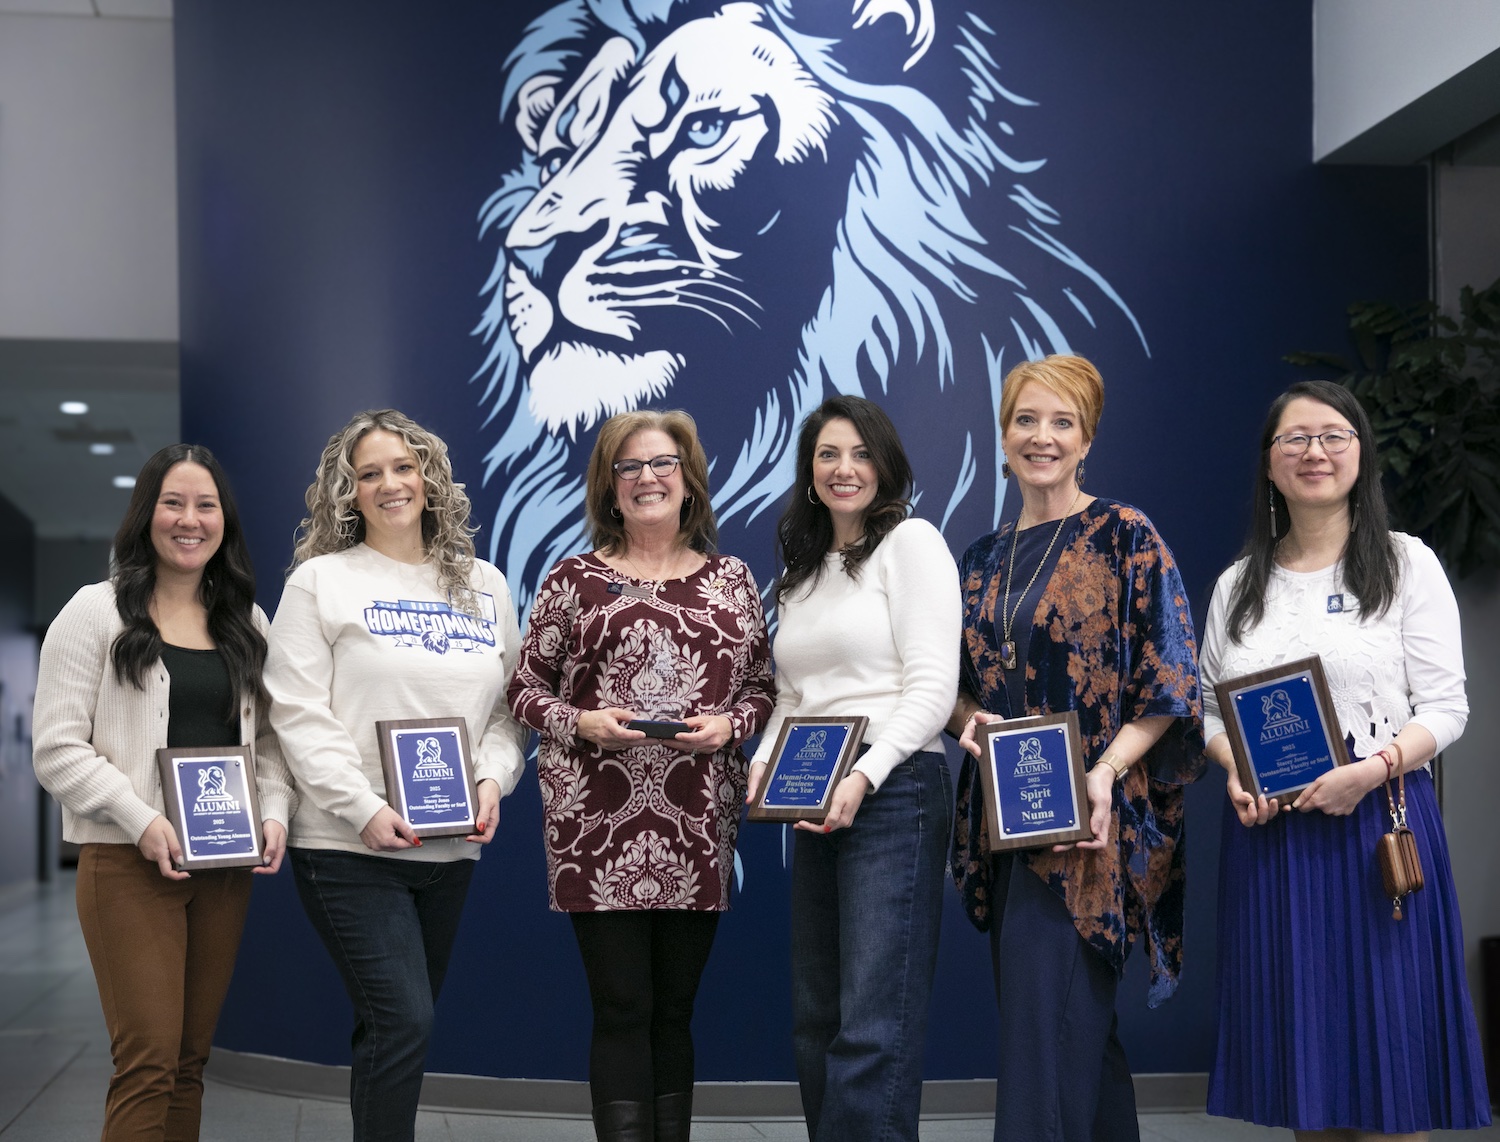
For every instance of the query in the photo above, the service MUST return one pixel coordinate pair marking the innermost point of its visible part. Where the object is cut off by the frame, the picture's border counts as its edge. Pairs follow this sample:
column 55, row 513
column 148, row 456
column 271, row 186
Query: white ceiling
column 46, row 468
column 111, row 9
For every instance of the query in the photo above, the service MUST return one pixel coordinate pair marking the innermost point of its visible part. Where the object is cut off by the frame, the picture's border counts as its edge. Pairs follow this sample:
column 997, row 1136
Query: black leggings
column 643, row 970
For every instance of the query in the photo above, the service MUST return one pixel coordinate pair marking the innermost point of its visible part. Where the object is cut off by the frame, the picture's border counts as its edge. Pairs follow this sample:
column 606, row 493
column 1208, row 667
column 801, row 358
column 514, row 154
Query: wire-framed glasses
column 661, row 466
column 1296, row 443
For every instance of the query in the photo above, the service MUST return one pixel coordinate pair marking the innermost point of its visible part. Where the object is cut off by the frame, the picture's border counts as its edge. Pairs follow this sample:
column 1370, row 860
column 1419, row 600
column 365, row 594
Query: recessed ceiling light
column 74, row 407
column 102, row 448
column 124, row 481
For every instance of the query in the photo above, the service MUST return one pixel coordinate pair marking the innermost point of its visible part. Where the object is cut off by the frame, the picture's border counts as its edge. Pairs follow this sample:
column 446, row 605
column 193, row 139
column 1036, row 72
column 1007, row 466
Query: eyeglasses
column 1296, row 443
column 661, row 466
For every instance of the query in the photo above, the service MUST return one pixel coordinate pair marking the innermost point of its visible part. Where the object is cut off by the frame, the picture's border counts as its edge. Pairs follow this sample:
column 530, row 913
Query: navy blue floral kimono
column 1112, row 639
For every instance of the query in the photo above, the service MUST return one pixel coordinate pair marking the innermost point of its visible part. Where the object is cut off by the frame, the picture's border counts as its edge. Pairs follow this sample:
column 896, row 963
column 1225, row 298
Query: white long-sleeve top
column 1406, row 665
column 95, row 737
column 360, row 638
column 884, row 645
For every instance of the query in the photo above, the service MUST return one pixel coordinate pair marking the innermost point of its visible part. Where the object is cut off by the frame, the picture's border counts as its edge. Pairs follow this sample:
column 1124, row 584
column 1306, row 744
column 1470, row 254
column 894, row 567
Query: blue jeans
column 867, row 905
column 389, row 926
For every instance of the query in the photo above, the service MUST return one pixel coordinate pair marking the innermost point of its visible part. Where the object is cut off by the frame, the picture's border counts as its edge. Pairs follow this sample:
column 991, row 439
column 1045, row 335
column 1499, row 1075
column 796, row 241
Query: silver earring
column 1271, row 499
column 614, row 510
column 811, row 497
column 1005, row 468
column 687, row 499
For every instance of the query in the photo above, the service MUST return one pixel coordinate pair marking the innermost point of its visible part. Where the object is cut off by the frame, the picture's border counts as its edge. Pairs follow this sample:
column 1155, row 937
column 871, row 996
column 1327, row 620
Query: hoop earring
column 1005, row 468
column 687, row 500
column 811, row 497
column 614, row 510
column 1271, row 499
column 1078, row 474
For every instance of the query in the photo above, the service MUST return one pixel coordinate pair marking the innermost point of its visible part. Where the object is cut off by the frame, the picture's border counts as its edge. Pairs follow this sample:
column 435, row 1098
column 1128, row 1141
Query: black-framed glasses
column 661, row 466
column 1296, row 443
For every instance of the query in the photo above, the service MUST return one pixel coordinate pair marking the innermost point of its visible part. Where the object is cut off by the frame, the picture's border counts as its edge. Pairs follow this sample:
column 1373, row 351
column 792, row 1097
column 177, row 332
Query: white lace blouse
column 1406, row 665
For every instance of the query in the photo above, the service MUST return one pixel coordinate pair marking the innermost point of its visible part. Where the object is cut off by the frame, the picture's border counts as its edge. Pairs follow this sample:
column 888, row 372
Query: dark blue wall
column 333, row 159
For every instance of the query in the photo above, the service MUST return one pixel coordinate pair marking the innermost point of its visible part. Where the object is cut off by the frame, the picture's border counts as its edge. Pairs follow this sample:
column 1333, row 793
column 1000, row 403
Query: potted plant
column 1431, row 385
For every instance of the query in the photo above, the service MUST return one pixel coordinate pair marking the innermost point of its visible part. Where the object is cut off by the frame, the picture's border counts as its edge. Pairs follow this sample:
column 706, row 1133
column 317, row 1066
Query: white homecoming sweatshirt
column 360, row 638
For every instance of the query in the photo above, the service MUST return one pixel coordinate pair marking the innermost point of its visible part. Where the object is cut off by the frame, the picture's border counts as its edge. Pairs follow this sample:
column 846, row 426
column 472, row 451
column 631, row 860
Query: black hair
column 227, row 590
column 804, row 533
column 1371, row 567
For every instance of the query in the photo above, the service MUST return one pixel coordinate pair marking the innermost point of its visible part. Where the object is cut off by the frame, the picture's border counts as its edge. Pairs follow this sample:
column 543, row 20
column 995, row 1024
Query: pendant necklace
column 1007, row 615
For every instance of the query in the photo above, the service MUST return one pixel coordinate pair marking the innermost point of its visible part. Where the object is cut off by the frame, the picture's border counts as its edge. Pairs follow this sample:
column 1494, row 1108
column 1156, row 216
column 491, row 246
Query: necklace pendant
column 1008, row 655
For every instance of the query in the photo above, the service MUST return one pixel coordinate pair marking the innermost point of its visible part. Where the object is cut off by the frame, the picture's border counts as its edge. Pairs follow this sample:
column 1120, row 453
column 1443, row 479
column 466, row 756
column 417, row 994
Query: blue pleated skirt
column 1332, row 1014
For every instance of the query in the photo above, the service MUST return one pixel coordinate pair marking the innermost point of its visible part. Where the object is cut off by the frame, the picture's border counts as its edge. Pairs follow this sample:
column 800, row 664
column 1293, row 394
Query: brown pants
column 163, row 952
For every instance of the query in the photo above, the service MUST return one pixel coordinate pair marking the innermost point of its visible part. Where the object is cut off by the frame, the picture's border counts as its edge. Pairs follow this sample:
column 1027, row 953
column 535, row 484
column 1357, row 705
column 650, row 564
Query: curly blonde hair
column 333, row 523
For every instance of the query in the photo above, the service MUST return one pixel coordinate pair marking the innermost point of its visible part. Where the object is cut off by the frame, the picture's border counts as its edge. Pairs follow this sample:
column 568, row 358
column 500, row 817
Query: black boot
column 623, row 1122
column 674, row 1116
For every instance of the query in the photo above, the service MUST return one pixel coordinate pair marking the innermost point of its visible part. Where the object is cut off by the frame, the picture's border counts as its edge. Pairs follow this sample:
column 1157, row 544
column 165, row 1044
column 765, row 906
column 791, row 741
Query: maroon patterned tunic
column 650, row 826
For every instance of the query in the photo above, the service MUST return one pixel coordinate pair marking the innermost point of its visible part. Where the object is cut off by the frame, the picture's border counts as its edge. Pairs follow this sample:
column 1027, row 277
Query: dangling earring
column 811, row 497
column 1271, row 499
column 1005, row 468
column 1078, row 475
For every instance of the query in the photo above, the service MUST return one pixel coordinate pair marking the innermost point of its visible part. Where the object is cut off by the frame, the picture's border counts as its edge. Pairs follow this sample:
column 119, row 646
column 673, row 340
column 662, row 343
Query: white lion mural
column 738, row 208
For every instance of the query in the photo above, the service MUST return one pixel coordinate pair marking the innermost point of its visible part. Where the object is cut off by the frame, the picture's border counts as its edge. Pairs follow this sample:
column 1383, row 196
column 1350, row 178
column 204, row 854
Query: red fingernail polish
column 828, row 828
column 481, row 826
column 418, row 842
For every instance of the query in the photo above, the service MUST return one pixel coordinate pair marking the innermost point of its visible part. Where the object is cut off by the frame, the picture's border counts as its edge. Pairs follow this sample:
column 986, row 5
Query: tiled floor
column 54, row 1064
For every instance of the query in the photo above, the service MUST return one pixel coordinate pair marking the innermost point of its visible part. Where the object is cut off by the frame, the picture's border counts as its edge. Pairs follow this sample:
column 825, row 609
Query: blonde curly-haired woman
column 387, row 614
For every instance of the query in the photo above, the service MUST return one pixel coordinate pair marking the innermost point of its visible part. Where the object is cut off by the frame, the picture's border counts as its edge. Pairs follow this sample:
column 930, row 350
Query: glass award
column 211, row 803
column 811, row 757
column 1282, row 728
column 429, row 775
column 1031, row 770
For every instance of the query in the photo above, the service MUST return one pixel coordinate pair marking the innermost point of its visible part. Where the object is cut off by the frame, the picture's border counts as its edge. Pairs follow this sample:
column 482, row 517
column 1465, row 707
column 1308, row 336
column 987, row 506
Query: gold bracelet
column 1114, row 761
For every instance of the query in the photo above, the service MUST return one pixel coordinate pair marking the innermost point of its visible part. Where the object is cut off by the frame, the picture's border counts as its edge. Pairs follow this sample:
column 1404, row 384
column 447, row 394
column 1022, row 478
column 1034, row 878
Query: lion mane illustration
column 740, row 208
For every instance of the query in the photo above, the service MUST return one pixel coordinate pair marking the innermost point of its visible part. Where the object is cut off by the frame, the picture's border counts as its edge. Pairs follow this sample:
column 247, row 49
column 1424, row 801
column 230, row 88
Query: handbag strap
column 1398, row 805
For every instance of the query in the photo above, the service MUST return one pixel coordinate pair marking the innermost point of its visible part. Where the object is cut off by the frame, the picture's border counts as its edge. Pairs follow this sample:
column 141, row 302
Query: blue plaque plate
column 209, row 794
column 1282, row 728
column 1032, row 775
column 811, row 757
column 429, row 775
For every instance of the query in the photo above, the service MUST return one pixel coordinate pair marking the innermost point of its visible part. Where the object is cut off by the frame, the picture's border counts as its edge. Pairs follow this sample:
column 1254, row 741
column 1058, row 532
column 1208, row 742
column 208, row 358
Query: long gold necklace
column 1007, row 615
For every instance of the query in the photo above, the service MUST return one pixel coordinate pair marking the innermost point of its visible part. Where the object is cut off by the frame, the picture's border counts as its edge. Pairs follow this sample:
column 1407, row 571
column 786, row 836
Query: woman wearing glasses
column 650, row 627
column 1335, row 1018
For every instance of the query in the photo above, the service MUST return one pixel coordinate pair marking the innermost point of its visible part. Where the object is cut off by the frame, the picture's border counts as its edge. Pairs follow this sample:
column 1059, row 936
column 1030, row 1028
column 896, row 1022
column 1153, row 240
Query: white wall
column 88, row 194
column 1394, row 80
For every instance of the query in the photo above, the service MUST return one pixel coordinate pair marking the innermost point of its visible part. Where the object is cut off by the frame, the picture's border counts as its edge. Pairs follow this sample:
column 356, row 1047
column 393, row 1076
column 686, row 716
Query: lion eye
column 705, row 130
column 550, row 164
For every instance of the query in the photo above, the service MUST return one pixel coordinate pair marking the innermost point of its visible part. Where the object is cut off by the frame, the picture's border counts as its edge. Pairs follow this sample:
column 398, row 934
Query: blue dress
column 1333, row 1014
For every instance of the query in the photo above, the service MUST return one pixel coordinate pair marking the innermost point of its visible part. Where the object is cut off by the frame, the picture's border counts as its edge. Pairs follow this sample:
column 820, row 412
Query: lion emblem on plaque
column 430, row 764
column 1276, row 707
column 675, row 159
column 213, row 795
column 815, row 748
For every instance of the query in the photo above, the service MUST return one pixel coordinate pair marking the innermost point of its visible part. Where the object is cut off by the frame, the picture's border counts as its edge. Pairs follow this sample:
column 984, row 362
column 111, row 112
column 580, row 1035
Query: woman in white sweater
column 1336, row 1018
column 168, row 652
column 869, row 625
column 387, row 615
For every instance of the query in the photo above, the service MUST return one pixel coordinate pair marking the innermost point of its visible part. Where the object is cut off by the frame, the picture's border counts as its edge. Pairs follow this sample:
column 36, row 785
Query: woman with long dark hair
column 387, row 615
column 1336, row 1019
column 652, row 625
column 868, row 625
column 167, row 652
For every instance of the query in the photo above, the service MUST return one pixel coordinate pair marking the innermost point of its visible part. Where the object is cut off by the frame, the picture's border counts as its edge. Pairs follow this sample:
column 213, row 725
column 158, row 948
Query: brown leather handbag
column 1396, row 853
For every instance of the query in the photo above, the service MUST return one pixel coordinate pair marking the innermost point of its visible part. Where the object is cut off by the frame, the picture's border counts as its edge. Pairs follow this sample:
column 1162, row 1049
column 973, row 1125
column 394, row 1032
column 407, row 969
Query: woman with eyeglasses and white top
column 651, row 626
column 1336, row 1019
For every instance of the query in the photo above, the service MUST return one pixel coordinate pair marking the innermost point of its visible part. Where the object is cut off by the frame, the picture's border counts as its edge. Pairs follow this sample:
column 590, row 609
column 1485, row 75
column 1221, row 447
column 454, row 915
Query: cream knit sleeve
column 70, row 682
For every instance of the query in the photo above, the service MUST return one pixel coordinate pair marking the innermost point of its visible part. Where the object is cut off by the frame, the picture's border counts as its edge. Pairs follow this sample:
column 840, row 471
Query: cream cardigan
column 95, row 738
